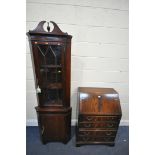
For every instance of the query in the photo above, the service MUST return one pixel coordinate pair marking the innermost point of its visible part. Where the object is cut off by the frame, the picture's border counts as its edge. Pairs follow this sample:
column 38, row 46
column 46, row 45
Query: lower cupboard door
column 53, row 127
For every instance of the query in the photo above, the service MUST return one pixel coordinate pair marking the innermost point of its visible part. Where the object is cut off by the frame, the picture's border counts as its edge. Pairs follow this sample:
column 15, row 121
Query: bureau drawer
column 97, row 133
column 85, row 118
column 98, row 125
column 97, row 139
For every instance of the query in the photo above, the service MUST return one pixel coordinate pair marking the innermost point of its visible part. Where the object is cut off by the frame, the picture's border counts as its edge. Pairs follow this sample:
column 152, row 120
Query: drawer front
column 98, row 133
column 99, row 125
column 97, row 139
column 89, row 118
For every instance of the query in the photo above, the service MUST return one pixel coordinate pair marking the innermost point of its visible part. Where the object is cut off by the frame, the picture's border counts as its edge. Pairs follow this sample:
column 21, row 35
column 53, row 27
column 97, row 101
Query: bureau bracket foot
column 44, row 143
column 78, row 145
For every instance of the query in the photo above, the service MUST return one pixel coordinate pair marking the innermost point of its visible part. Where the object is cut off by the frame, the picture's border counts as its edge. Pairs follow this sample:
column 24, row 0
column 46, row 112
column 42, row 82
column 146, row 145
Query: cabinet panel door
column 52, row 127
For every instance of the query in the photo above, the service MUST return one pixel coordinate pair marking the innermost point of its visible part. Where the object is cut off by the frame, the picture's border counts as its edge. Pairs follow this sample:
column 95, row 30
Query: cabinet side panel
column 68, row 76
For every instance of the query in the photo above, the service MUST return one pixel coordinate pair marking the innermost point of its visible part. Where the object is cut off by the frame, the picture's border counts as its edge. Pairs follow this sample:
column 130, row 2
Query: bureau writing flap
column 101, row 101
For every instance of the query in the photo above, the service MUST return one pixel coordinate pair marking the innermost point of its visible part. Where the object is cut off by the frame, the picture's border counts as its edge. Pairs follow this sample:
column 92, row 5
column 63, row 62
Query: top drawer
column 89, row 118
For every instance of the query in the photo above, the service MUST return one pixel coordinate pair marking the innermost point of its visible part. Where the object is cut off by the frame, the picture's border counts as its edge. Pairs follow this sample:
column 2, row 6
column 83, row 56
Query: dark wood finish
column 55, row 125
column 99, row 116
column 51, row 57
column 40, row 29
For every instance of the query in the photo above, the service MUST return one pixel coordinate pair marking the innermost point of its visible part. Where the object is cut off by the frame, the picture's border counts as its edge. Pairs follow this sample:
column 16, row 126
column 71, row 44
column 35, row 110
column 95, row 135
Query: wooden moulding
column 40, row 30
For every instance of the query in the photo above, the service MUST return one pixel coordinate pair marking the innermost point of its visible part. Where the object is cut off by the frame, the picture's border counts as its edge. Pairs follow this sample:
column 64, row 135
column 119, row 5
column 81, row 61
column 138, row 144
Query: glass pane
column 51, row 75
column 51, row 63
column 51, row 97
column 50, row 55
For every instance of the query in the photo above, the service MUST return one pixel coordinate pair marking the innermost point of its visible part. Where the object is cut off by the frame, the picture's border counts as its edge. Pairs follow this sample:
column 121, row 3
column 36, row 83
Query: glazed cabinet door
column 49, row 60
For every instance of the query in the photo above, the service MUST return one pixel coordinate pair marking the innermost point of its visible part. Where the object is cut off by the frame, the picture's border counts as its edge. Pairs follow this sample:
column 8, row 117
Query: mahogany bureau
column 99, row 114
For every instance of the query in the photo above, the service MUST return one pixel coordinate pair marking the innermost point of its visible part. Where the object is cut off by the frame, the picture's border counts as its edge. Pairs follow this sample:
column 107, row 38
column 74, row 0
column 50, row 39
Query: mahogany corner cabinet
column 99, row 115
column 51, row 57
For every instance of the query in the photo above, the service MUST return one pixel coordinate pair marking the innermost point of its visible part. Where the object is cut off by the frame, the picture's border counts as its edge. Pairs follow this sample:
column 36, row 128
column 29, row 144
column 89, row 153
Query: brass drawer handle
column 110, row 125
column 89, row 118
column 85, row 138
column 84, row 133
column 108, row 133
column 107, row 138
column 87, row 125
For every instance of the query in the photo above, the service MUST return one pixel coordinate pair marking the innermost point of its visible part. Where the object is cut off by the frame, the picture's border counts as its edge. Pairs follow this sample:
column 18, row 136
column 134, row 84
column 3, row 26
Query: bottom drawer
column 99, row 133
column 95, row 139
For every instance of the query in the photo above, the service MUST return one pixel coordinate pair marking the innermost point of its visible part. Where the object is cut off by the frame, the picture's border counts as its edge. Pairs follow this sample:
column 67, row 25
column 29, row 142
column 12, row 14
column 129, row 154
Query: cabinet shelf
column 51, row 66
column 52, row 85
column 54, row 103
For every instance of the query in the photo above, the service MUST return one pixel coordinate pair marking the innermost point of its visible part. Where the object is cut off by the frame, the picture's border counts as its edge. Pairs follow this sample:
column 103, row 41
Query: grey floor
column 35, row 147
